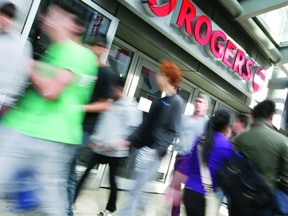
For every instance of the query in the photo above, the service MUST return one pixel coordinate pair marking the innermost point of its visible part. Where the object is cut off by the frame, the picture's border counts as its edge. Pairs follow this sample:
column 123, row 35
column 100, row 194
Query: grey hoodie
column 114, row 126
column 191, row 128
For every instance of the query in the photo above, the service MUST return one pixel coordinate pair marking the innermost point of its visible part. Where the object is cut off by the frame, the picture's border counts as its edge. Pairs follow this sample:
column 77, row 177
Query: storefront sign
column 217, row 44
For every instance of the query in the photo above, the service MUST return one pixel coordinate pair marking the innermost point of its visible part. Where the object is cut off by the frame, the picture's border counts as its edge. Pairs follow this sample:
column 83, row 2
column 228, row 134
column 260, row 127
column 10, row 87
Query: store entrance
column 144, row 89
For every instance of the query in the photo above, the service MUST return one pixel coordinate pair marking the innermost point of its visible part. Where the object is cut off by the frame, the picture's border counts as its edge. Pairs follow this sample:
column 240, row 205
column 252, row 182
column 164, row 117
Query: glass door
column 143, row 85
column 187, row 91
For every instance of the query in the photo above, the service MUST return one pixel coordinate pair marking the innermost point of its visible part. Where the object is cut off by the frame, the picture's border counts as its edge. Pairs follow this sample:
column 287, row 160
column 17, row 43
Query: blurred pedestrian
column 240, row 125
column 113, row 127
column 158, row 130
column 15, row 59
column 211, row 150
column 268, row 151
column 99, row 101
column 42, row 133
column 192, row 127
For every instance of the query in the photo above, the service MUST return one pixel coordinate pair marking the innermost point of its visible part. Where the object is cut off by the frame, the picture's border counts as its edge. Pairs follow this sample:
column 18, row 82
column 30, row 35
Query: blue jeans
column 72, row 180
column 146, row 166
column 47, row 159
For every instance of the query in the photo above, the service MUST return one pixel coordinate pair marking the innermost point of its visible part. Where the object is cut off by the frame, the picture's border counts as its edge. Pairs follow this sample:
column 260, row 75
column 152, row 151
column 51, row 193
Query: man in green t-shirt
column 42, row 132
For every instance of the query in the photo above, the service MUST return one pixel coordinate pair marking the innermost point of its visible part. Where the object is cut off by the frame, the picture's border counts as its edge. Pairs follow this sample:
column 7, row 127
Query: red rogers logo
column 217, row 45
column 159, row 10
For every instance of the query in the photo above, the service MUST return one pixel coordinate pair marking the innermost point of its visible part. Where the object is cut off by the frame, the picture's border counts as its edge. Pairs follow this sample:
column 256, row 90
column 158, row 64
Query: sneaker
column 106, row 213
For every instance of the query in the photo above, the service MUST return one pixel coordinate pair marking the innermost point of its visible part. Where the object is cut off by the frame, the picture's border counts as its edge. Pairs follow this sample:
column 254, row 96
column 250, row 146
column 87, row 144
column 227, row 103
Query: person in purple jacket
column 216, row 150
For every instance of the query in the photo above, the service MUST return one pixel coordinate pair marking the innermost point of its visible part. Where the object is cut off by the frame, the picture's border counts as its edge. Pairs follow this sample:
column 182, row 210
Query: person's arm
column 50, row 87
column 180, row 145
column 3, row 109
column 178, row 179
column 142, row 127
column 174, row 192
column 103, row 91
column 98, row 106
column 20, row 73
column 132, row 120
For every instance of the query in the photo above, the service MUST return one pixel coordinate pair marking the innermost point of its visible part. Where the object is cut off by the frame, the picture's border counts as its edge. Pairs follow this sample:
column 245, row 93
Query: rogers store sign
column 217, row 44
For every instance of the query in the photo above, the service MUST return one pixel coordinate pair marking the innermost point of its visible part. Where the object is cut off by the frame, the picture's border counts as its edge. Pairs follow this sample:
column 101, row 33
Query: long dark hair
column 217, row 123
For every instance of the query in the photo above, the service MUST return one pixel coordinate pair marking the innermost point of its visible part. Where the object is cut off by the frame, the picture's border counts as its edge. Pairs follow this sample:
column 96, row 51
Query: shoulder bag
column 212, row 203
column 243, row 184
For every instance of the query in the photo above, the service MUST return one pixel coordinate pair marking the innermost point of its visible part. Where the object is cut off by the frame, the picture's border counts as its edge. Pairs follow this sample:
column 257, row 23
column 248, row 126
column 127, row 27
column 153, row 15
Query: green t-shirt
column 59, row 120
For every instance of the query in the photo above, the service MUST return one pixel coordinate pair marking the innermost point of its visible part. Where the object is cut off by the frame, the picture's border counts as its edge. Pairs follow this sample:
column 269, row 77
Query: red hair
column 171, row 71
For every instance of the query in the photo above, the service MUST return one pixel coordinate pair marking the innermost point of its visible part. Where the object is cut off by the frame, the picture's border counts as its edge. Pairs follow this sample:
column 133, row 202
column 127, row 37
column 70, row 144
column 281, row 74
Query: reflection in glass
column 120, row 59
column 233, row 114
column 211, row 107
column 185, row 96
column 94, row 22
column 97, row 24
column 147, row 85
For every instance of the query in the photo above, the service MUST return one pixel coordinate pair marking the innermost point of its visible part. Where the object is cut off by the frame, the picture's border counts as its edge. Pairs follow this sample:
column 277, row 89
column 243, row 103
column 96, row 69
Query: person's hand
column 178, row 179
column 4, row 109
column 125, row 143
column 173, row 196
column 92, row 145
column 157, row 154
column 32, row 67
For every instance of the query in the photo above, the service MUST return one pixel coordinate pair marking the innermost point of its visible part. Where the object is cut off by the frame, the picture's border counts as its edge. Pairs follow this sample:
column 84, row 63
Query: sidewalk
column 91, row 202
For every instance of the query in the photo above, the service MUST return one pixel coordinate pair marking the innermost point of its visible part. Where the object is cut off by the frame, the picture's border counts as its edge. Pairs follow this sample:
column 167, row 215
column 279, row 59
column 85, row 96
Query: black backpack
column 243, row 185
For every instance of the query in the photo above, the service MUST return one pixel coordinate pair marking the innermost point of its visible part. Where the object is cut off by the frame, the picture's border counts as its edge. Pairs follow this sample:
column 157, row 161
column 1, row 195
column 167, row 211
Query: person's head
column 7, row 16
column 219, row 122
column 201, row 104
column 98, row 44
column 265, row 110
column 118, row 86
column 169, row 75
column 61, row 21
column 240, row 124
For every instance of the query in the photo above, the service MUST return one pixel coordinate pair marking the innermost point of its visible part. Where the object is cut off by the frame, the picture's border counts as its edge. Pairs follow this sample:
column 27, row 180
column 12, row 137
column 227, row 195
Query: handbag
column 212, row 203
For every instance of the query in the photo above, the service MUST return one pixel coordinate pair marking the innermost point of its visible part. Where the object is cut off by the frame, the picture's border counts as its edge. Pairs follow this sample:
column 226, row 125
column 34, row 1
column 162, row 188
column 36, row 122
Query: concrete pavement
column 91, row 202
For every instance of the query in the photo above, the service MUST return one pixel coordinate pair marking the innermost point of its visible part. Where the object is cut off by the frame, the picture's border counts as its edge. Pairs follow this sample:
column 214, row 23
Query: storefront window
column 211, row 107
column 233, row 113
column 147, row 86
column 185, row 95
column 120, row 59
column 95, row 23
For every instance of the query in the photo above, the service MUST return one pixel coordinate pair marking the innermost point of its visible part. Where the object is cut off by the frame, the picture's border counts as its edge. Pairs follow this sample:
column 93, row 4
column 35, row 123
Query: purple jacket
column 221, row 152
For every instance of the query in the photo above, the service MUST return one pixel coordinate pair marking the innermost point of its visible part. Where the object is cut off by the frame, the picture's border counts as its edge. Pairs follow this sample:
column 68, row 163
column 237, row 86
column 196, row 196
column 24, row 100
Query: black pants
column 113, row 167
column 194, row 203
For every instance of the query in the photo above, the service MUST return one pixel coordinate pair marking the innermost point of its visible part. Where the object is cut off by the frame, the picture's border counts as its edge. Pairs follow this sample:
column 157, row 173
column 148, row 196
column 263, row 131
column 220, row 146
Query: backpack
column 243, row 185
